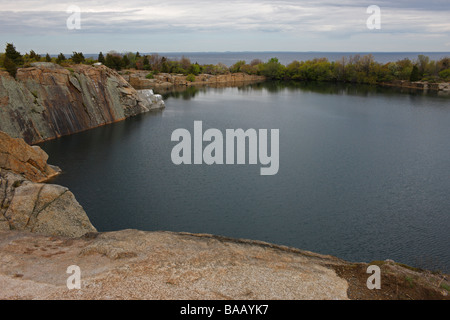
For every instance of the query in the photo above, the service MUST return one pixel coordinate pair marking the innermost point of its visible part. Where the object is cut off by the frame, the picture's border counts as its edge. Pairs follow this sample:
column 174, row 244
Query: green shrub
column 149, row 76
column 445, row 74
column 237, row 67
column 273, row 69
column 190, row 78
column 195, row 69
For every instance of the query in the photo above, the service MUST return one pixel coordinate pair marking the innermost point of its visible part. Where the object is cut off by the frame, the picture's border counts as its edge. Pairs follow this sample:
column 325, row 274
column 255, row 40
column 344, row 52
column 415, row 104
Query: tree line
column 353, row 69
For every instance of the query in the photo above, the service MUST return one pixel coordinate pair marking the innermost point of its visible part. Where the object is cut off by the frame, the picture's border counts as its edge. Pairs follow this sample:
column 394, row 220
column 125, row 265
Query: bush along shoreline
column 354, row 69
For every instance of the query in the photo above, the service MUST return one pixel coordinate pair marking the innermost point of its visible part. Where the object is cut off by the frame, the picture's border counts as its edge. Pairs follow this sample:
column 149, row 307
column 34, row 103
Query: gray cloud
column 192, row 16
column 321, row 18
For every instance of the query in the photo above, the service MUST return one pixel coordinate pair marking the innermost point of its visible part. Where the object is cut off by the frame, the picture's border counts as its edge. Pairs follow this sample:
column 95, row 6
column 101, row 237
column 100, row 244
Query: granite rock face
column 133, row 264
column 47, row 101
column 40, row 208
column 28, row 204
column 29, row 161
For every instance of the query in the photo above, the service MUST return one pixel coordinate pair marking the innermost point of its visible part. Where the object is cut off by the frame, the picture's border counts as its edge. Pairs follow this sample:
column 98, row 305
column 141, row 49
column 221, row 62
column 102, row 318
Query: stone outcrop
column 154, row 99
column 26, row 203
column 47, row 101
column 40, row 208
column 29, row 161
column 133, row 264
column 420, row 85
column 165, row 80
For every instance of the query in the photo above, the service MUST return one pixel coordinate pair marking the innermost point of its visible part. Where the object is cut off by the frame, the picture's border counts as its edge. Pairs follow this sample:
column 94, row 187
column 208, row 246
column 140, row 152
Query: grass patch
column 410, row 281
column 409, row 267
column 445, row 286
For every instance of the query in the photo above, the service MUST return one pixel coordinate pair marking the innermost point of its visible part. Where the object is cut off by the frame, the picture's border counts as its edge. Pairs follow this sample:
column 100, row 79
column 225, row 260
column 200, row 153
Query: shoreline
column 165, row 83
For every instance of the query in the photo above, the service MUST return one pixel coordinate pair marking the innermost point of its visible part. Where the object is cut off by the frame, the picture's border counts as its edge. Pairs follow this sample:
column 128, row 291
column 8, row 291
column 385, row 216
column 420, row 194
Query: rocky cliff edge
column 26, row 203
column 47, row 101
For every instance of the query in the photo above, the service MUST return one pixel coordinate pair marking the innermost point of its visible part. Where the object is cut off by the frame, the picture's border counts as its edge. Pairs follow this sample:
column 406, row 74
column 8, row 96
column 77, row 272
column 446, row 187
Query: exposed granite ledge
column 419, row 85
column 170, row 81
column 133, row 264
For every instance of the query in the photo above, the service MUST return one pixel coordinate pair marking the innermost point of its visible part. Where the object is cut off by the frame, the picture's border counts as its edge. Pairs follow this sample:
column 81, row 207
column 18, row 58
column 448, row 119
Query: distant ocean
column 229, row 58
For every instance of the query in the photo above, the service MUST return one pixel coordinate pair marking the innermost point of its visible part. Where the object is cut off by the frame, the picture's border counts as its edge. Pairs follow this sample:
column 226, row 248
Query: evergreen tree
column 34, row 56
column 10, row 66
column 146, row 63
column 101, row 58
column 13, row 54
column 138, row 55
column 125, row 61
column 61, row 57
column 113, row 61
column 77, row 57
column 48, row 58
column 415, row 76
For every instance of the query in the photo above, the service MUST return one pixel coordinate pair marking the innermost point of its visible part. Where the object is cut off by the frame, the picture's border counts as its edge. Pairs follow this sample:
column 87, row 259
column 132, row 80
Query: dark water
column 230, row 58
column 364, row 171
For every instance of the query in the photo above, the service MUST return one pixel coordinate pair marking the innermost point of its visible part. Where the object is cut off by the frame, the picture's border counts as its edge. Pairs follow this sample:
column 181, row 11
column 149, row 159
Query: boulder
column 29, row 161
column 28, row 204
column 40, row 208
column 151, row 100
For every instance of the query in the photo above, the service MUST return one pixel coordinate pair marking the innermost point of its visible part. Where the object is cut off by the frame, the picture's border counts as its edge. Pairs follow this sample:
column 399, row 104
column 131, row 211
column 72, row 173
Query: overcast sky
column 209, row 25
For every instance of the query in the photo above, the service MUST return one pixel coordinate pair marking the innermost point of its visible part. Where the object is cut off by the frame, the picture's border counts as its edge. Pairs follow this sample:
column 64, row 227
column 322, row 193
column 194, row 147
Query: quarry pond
column 363, row 171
